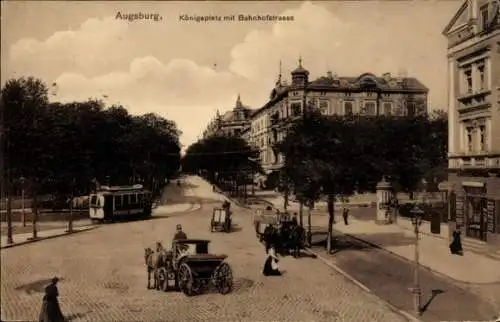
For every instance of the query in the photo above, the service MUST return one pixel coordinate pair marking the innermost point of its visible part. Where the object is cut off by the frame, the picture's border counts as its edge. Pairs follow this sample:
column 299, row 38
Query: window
column 484, row 17
column 387, row 108
column 348, row 110
column 237, row 131
column 133, row 199
column 118, row 201
column 323, row 107
column 468, row 80
column 369, row 94
column 482, row 135
column 469, row 139
column 369, row 108
column 93, row 200
column 482, row 76
column 296, row 109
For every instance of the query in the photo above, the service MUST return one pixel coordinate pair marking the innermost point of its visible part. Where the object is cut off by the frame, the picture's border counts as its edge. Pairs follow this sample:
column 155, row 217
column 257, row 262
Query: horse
column 272, row 238
column 150, row 261
column 154, row 260
column 297, row 238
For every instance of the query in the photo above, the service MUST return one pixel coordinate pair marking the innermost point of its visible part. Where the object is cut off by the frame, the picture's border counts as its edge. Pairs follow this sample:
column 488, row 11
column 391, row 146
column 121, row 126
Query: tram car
column 120, row 202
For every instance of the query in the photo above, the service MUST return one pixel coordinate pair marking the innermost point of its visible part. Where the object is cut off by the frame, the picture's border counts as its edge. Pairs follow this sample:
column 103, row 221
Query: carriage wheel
column 162, row 281
column 185, row 280
column 223, row 278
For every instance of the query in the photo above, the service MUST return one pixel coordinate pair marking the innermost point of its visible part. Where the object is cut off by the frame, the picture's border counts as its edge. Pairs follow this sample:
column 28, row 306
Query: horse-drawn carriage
column 280, row 229
column 263, row 219
column 189, row 267
column 221, row 220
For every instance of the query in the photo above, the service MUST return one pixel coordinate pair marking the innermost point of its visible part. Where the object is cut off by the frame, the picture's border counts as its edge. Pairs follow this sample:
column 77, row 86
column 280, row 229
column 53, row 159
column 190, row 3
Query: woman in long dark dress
column 456, row 244
column 271, row 265
column 51, row 311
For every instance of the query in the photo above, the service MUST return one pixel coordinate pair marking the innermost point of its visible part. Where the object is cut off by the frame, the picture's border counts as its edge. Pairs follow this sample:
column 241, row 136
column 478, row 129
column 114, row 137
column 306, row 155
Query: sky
column 186, row 70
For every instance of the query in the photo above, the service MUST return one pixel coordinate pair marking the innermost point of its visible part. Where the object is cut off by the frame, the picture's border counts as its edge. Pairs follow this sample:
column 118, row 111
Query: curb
column 48, row 237
column 407, row 260
column 236, row 202
column 329, row 263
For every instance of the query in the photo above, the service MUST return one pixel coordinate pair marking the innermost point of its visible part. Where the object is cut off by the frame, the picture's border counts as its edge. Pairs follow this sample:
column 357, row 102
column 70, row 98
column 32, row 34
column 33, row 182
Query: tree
column 318, row 161
column 335, row 156
column 61, row 148
column 225, row 160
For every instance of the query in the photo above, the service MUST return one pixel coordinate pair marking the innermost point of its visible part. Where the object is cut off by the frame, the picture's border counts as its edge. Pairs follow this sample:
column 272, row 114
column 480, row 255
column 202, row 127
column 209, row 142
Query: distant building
column 232, row 122
column 366, row 94
column 474, row 119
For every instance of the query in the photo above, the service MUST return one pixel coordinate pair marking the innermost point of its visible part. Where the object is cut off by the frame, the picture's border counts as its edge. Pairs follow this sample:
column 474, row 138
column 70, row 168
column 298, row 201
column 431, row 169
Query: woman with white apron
column 271, row 265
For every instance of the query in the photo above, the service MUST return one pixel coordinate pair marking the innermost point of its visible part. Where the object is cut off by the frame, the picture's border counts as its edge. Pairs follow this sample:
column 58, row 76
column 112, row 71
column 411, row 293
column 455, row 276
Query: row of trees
column 333, row 157
column 228, row 161
column 61, row 149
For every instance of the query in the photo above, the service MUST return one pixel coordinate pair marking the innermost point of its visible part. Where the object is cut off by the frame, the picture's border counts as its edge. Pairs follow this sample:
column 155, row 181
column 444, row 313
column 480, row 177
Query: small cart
column 221, row 220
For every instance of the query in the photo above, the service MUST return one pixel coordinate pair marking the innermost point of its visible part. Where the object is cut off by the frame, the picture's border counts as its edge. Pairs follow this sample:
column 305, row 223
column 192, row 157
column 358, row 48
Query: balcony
column 474, row 162
column 474, row 100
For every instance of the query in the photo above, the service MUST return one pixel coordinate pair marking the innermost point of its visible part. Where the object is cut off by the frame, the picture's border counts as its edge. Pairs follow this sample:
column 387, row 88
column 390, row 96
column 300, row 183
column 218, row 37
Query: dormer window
column 484, row 17
column 368, row 82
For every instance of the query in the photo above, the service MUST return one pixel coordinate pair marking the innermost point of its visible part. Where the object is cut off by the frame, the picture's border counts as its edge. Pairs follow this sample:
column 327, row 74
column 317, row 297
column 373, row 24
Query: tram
column 120, row 202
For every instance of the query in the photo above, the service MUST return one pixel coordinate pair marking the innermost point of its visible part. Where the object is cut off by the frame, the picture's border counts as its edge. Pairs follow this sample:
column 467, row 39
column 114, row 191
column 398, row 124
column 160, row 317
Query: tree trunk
column 301, row 214
column 35, row 215
column 309, row 229
column 331, row 221
column 285, row 202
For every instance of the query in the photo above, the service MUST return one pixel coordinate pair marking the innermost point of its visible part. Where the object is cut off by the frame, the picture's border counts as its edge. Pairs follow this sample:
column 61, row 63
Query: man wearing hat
column 179, row 234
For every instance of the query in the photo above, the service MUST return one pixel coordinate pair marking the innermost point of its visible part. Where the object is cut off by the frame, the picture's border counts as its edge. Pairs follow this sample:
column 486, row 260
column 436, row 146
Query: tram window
column 93, row 200
column 118, row 201
column 140, row 196
column 133, row 198
column 126, row 200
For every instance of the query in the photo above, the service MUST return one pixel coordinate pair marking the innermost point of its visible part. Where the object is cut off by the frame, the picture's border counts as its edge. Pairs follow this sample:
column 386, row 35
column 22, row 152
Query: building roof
column 369, row 80
column 300, row 69
column 362, row 82
column 230, row 116
column 456, row 17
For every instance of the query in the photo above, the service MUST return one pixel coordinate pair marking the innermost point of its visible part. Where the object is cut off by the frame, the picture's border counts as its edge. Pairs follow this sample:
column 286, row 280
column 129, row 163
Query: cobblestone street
column 103, row 278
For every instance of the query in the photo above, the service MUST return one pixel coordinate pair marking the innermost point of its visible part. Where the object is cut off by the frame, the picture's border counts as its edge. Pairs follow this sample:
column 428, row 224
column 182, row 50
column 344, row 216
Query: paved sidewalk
column 278, row 201
column 24, row 238
column 434, row 253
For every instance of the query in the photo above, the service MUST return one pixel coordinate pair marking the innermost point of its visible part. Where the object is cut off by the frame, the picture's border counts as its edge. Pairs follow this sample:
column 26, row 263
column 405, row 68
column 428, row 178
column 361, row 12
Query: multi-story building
column 474, row 119
column 366, row 94
column 232, row 122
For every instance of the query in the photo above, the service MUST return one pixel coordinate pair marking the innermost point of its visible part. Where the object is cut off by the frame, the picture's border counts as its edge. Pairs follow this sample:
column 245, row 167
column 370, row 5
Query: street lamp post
column 417, row 294
column 70, row 218
column 22, row 180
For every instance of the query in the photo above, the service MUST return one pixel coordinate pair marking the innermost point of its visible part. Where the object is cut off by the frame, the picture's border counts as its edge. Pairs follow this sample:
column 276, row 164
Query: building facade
column 232, row 122
column 366, row 94
column 474, row 120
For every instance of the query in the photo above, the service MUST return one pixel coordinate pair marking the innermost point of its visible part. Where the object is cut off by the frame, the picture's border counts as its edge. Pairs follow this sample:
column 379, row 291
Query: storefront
column 477, row 212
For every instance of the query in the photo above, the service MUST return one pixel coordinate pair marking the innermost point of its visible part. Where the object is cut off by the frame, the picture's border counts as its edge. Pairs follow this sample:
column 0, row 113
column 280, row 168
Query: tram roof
column 134, row 188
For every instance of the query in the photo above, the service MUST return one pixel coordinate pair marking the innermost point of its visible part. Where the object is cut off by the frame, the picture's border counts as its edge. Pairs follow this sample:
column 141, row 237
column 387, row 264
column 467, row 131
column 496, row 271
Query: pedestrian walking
column 51, row 311
column 345, row 215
